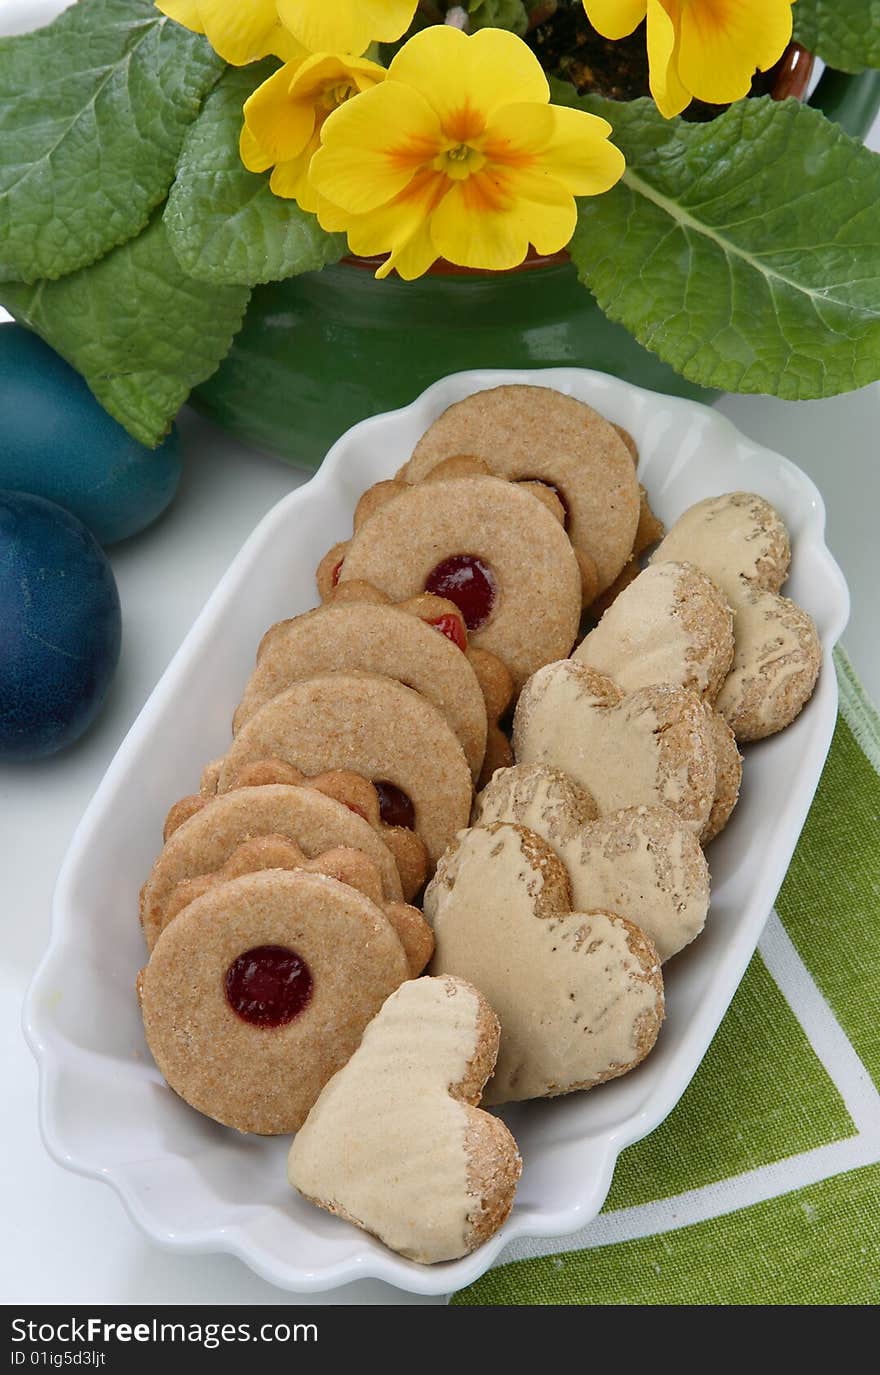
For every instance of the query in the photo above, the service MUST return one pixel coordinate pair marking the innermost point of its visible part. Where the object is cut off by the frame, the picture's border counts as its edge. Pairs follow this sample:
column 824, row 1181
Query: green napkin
column 763, row 1185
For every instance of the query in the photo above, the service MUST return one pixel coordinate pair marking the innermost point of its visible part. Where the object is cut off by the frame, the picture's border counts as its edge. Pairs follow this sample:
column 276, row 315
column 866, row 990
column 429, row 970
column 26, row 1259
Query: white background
column 66, row 1239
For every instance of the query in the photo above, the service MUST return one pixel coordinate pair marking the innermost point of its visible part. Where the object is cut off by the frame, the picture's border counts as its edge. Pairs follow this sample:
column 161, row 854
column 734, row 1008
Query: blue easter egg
column 57, row 442
column 60, row 627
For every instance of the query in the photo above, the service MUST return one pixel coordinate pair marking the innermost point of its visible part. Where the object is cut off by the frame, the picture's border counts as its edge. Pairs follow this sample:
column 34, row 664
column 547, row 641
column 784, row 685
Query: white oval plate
column 195, row 1186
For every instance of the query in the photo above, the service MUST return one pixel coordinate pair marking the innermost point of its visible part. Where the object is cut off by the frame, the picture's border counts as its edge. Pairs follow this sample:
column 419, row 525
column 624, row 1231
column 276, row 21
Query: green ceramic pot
column 318, row 353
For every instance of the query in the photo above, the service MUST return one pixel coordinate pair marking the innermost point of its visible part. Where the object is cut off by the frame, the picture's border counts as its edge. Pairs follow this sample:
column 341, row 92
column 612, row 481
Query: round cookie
column 640, row 862
column 579, row 994
column 489, row 546
column 371, row 638
column 261, row 989
column 728, row 775
column 527, row 432
column 206, row 841
column 373, row 726
column 670, row 625
column 396, row 1144
column 646, row 748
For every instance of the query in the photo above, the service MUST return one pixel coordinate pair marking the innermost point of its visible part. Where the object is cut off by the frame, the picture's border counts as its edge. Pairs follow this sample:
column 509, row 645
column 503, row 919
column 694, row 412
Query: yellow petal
column 240, row 33
column 569, row 145
column 373, row 145
column 615, row 18
column 291, row 180
column 466, row 78
column 252, row 153
column 346, row 25
column 670, row 95
column 401, row 228
column 490, row 220
column 723, row 42
column 185, row 12
column 323, row 71
column 280, row 125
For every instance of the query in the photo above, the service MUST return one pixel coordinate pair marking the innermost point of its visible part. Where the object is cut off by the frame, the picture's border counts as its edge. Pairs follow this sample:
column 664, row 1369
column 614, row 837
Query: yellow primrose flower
column 284, row 117
column 703, row 49
column 458, row 154
column 238, row 32
column 347, row 26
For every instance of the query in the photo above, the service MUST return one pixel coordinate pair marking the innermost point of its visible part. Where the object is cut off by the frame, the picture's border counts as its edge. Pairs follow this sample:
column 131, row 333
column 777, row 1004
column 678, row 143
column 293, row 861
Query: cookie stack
column 283, row 993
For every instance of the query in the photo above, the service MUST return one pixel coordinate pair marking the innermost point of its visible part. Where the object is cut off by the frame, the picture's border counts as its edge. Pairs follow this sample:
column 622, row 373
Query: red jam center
column 395, row 808
column 469, row 583
column 334, row 576
column 451, row 626
column 269, row 985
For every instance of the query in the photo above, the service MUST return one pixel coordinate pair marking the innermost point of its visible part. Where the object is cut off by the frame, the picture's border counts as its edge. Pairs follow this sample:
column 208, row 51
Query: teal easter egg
column 60, row 627
column 57, row 442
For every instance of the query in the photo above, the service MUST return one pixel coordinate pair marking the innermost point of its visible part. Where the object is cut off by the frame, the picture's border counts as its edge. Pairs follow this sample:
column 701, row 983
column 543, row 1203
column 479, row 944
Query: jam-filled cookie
column 261, row 989
column 579, row 994
column 371, row 638
column 211, row 836
column 535, row 434
column 396, row 1143
column 375, row 727
column 490, row 547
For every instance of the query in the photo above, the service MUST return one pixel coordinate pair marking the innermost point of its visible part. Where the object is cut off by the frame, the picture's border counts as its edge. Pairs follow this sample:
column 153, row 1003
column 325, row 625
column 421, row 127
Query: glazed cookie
column 641, row 862
column 671, row 625
column 489, row 546
column 347, row 866
column 646, row 748
column 579, row 994
column 375, row 727
column 526, row 433
column 396, row 1144
column 211, row 836
column 728, row 775
column 742, row 544
column 261, row 989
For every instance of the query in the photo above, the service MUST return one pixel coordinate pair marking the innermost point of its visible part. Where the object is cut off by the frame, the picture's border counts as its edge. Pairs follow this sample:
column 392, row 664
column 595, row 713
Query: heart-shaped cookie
column 373, row 726
column 641, row 862
column 260, row 990
column 579, row 994
column 646, row 748
column 670, row 625
column 205, row 842
column 395, row 1143
column 740, row 541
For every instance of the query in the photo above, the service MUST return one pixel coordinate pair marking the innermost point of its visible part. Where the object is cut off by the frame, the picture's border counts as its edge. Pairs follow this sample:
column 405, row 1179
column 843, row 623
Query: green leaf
column 844, row 33
column 744, row 252
column 93, row 110
column 223, row 222
column 498, row 14
column 141, row 332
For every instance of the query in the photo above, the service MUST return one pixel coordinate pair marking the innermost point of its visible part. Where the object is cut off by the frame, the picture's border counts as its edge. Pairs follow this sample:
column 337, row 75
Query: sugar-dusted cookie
column 210, row 837
column 641, row 862
column 645, row 748
column 374, row 639
column 671, row 625
column 740, row 541
column 375, row 727
column 728, row 775
column 396, row 1144
column 345, row 865
column 260, row 990
column 490, row 547
column 579, row 994
column 534, row 433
